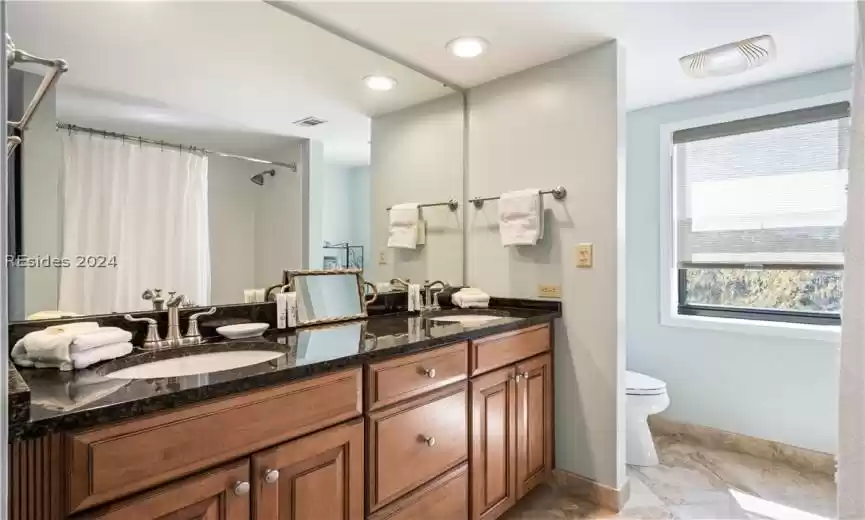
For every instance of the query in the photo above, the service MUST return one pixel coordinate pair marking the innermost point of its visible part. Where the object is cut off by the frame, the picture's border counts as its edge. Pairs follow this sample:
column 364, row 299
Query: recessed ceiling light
column 467, row 46
column 380, row 82
column 731, row 58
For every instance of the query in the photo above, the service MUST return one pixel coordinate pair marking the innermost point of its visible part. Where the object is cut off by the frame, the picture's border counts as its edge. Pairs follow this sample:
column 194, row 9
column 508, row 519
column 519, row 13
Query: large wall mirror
column 204, row 147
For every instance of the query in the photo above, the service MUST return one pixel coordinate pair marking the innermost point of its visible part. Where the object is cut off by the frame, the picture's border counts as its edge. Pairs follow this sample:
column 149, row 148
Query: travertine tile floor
column 693, row 482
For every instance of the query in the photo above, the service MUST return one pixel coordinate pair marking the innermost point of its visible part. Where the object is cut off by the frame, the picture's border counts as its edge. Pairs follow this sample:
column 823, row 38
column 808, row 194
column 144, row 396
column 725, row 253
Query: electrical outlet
column 382, row 257
column 550, row 291
column 584, row 255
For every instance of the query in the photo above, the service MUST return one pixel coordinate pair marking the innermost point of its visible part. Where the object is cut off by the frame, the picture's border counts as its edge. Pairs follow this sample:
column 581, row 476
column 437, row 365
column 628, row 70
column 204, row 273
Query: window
column 759, row 209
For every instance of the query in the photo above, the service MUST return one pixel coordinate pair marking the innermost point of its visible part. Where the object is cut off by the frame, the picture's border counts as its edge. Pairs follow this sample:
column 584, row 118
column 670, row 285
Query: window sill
column 823, row 333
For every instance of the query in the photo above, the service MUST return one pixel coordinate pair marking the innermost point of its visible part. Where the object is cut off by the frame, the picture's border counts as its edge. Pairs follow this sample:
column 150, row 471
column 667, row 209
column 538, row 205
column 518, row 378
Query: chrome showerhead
column 258, row 178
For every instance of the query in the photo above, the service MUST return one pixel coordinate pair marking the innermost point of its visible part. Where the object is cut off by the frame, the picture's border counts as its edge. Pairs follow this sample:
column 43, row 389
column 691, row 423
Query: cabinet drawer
column 445, row 498
column 414, row 442
column 409, row 376
column 507, row 348
column 113, row 461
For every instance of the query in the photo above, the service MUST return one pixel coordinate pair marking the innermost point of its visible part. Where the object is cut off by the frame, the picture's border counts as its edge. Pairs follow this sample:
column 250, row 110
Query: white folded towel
column 471, row 298
column 52, row 346
column 403, row 226
column 99, row 337
column 521, row 217
column 52, row 315
column 88, row 357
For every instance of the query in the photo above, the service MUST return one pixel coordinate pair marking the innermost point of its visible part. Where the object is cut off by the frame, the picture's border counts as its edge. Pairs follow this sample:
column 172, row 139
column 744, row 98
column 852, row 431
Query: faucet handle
column 192, row 329
column 152, row 330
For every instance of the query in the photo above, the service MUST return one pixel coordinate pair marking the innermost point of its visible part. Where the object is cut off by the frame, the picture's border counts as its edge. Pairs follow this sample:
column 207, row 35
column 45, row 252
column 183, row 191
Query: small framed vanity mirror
column 329, row 296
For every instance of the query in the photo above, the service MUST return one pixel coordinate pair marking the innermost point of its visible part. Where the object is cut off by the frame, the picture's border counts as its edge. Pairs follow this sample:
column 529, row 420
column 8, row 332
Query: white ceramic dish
column 243, row 330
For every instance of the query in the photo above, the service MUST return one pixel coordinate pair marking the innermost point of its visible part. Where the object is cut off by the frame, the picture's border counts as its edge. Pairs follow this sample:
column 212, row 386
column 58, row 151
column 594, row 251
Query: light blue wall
column 345, row 207
column 768, row 387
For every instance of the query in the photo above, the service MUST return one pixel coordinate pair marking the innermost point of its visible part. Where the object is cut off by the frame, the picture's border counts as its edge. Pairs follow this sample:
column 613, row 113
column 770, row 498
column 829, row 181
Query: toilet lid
column 641, row 384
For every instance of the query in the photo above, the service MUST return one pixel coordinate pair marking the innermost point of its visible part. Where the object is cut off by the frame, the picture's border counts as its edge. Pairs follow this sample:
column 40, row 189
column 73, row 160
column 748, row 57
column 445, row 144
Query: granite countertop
column 46, row 400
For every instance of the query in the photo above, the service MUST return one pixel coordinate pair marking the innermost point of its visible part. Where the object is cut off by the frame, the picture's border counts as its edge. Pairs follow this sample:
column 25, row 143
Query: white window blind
column 768, row 191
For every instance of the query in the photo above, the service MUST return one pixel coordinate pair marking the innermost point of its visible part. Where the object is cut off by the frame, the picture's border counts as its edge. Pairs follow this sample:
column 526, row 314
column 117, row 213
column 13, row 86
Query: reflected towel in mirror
column 403, row 226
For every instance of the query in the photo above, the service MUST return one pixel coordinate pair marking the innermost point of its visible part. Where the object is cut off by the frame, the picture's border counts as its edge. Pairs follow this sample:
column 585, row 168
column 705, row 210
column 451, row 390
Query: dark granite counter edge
column 19, row 397
column 113, row 413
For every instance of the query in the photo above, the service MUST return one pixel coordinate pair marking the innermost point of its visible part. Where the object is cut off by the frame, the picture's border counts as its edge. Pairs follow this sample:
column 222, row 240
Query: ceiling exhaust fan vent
column 310, row 121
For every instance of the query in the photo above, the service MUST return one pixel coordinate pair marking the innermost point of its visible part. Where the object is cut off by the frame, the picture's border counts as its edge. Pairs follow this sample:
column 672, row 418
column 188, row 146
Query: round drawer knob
column 525, row 375
column 241, row 488
column 271, row 476
column 430, row 441
column 430, row 372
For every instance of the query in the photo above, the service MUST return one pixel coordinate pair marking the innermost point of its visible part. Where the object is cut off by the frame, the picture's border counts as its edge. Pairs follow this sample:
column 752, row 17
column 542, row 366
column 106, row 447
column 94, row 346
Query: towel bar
column 452, row 204
column 558, row 193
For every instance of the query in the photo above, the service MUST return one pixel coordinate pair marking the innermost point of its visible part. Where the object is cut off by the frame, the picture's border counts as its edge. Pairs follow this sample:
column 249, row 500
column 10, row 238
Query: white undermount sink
column 197, row 364
column 467, row 319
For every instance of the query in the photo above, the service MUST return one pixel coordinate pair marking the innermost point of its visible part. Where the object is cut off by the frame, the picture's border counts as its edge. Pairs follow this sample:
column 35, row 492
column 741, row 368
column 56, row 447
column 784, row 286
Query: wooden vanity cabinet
column 461, row 432
column 317, row 477
column 494, row 436
column 219, row 494
column 512, row 423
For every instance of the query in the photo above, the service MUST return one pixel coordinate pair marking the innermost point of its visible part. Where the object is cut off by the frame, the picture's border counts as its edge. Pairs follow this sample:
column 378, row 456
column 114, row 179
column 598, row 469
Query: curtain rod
column 105, row 133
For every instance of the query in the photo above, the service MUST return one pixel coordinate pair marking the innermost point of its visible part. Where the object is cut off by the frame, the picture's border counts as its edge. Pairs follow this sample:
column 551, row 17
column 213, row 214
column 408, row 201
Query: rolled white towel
column 94, row 355
column 99, row 337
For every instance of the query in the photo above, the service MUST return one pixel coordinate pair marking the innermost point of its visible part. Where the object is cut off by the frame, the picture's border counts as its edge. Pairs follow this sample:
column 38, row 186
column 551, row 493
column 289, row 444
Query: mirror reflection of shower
column 258, row 178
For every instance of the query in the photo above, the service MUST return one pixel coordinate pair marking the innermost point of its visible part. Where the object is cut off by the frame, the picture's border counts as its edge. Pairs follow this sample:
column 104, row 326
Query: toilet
column 645, row 396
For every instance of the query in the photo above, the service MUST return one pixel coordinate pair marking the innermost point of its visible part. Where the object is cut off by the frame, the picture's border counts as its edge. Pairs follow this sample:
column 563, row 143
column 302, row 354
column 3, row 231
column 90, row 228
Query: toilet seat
column 641, row 384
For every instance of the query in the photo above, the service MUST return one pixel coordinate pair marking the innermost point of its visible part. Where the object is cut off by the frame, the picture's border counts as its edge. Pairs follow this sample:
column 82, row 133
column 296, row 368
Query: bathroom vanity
column 393, row 417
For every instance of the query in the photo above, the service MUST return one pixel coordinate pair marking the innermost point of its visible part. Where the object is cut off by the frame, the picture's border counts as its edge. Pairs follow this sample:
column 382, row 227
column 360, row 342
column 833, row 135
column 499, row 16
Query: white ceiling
column 242, row 67
column 810, row 36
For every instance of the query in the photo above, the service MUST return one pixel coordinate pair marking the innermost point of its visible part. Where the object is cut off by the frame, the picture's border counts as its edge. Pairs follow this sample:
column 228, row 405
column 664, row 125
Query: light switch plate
column 550, row 291
column 584, row 255
column 382, row 257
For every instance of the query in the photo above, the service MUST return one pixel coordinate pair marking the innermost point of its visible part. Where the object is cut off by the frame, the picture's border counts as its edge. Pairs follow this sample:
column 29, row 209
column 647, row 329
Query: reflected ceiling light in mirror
column 731, row 58
column 380, row 82
column 467, row 46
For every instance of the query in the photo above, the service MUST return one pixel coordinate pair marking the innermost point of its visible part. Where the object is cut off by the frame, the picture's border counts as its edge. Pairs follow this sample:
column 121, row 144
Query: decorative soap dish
column 243, row 330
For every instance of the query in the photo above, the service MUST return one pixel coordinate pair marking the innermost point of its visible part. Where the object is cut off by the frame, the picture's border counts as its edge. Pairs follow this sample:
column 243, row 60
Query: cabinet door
column 493, row 454
column 221, row 494
column 317, row 477
column 534, row 423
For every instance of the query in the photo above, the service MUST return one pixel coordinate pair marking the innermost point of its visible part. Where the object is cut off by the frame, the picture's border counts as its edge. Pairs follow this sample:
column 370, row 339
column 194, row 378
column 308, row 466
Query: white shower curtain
column 851, row 445
column 145, row 207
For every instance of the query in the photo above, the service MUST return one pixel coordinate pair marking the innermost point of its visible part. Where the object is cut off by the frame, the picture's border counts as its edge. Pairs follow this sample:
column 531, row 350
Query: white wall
column 279, row 219
column 41, row 165
column 773, row 388
column 417, row 156
column 560, row 124
column 345, row 208
column 231, row 208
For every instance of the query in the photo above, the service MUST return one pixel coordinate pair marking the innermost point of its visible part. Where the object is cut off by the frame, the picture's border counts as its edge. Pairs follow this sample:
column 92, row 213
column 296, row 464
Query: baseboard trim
column 800, row 458
column 595, row 492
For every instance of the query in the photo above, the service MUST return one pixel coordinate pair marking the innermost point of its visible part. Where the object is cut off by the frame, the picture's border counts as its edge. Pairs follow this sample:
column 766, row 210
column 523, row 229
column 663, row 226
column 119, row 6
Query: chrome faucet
column 174, row 300
column 430, row 301
column 173, row 338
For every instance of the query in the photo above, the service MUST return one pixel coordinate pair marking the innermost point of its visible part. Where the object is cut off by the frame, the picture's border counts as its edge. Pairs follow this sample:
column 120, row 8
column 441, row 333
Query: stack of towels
column 72, row 345
column 471, row 298
column 404, row 227
column 521, row 217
